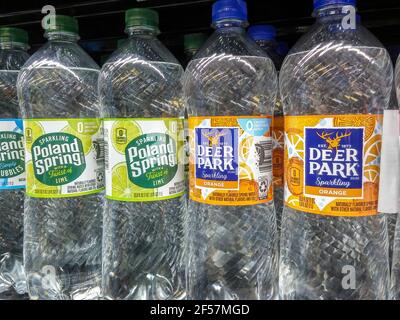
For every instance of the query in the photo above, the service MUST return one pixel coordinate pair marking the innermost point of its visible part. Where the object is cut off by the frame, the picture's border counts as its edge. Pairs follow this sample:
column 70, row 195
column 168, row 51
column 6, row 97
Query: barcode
column 264, row 151
column 100, row 151
column 106, row 152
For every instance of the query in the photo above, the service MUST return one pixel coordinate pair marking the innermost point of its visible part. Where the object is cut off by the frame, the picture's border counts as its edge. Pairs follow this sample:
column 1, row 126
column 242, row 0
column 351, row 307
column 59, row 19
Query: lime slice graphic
column 33, row 131
column 124, row 132
column 122, row 187
column 32, row 184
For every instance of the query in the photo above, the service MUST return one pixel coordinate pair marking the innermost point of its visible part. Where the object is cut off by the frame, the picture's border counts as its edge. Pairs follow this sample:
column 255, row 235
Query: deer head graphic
column 214, row 139
column 334, row 144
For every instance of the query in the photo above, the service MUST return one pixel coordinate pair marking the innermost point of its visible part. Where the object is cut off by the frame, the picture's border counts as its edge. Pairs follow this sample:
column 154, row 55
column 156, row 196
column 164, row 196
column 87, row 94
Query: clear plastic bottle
column 58, row 94
column 13, row 47
column 141, row 96
column 396, row 243
column 392, row 216
column 230, row 89
column 192, row 43
column 265, row 37
column 395, row 280
column 334, row 84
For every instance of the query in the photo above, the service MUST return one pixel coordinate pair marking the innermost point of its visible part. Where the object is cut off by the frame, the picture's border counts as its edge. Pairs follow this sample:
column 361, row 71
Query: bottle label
column 144, row 159
column 230, row 160
column 64, row 157
column 278, row 139
column 333, row 164
column 12, row 157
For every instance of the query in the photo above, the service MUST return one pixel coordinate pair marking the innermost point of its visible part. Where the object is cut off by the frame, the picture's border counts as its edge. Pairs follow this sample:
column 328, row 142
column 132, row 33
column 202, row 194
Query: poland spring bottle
column 141, row 98
column 57, row 89
column 265, row 37
column 335, row 84
column 230, row 89
column 13, row 46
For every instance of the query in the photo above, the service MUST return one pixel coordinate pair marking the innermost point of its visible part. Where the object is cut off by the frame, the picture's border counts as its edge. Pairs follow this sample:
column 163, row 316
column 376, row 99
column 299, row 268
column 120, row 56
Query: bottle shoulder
column 61, row 54
column 144, row 49
column 234, row 43
column 322, row 34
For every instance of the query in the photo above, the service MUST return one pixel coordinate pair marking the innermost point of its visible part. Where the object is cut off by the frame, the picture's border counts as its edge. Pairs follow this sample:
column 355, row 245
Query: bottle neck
column 231, row 24
column 330, row 14
column 13, row 46
column 141, row 31
column 266, row 43
column 62, row 36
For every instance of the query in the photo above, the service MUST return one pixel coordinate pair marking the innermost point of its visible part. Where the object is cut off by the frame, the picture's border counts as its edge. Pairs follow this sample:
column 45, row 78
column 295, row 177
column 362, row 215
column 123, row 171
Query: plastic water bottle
column 335, row 85
column 192, row 43
column 265, row 37
column 13, row 46
column 396, row 243
column 58, row 93
column 230, row 89
column 141, row 96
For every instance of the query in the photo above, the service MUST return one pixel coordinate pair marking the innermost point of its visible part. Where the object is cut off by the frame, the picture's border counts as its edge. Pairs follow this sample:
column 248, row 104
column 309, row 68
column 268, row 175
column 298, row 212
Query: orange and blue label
column 230, row 160
column 332, row 164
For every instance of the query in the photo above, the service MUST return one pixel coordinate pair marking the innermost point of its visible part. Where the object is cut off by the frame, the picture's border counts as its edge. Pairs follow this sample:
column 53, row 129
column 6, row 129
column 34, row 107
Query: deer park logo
column 334, row 162
column 217, row 154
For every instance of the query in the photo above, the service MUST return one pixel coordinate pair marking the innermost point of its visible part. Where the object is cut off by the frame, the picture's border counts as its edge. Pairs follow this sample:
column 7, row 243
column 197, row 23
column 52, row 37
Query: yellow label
column 332, row 164
column 230, row 161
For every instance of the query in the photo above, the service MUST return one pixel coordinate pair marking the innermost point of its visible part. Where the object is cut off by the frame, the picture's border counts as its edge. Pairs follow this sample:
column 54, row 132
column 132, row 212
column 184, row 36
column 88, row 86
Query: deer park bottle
column 265, row 37
column 335, row 84
column 230, row 89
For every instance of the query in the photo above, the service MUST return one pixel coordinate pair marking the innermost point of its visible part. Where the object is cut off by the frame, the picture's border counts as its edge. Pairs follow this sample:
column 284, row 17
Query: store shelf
column 102, row 22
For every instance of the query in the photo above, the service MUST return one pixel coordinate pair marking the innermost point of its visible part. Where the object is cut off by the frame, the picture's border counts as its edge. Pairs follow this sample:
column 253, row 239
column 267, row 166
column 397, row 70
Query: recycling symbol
column 263, row 187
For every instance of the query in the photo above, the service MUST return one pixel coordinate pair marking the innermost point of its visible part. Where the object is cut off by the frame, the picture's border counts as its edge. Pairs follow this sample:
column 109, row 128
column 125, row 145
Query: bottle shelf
column 102, row 22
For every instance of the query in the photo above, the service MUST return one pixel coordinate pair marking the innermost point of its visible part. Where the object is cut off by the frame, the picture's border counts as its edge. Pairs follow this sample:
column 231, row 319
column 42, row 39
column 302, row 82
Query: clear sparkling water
column 12, row 275
column 334, row 72
column 62, row 240
column 270, row 48
column 143, row 242
column 232, row 250
column 396, row 263
column 396, row 245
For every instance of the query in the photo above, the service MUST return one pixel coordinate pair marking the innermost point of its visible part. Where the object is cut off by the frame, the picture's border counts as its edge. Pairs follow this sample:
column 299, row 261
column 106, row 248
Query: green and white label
column 144, row 159
column 12, row 158
column 64, row 157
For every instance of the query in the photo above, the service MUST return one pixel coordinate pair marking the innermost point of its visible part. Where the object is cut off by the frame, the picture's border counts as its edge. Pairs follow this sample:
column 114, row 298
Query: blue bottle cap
column 318, row 4
column 262, row 32
column 229, row 9
column 282, row 48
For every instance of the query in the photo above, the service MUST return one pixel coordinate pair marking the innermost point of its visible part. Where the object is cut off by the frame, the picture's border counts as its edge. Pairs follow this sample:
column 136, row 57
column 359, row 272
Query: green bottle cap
column 63, row 24
column 10, row 34
column 141, row 17
column 194, row 41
